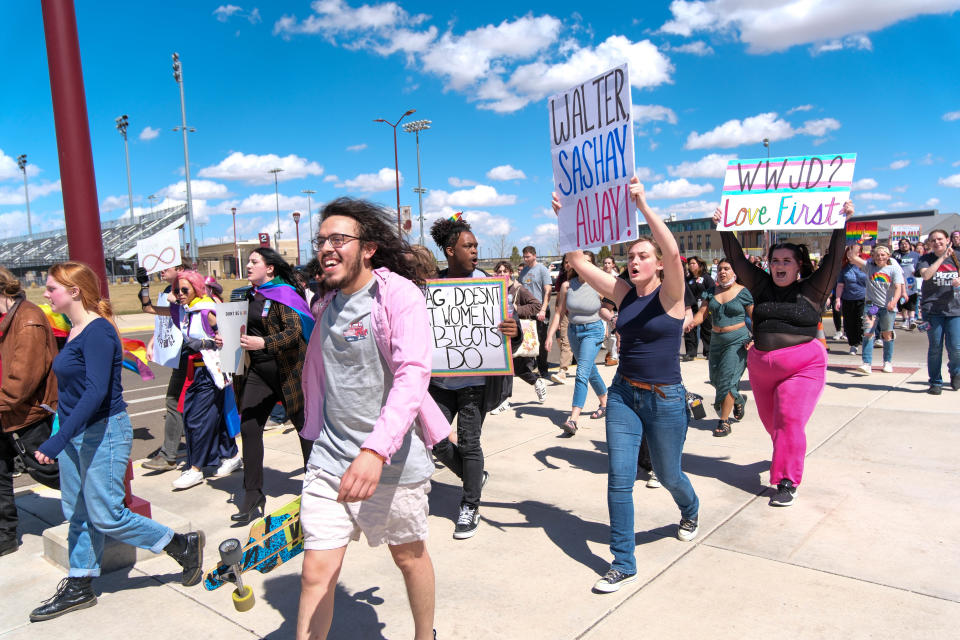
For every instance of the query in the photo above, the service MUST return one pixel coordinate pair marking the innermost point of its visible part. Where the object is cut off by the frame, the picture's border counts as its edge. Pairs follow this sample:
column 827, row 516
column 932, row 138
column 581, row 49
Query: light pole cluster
column 178, row 76
column 396, row 163
column 416, row 127
column 309, row 193
column 276, row 191
column 22, row 163
column 122, row 123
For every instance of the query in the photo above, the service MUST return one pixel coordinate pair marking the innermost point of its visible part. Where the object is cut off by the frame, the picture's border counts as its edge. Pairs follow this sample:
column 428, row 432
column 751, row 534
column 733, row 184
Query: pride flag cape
column 135, row 357
column 281, row 292
column 59, row 322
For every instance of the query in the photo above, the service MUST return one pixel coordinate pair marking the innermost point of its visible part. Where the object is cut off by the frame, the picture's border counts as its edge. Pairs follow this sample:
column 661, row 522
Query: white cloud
column 713, row 165
column 802, row 107
column 645, row 174
column 932, row 202
column 754, row 129
column 653, row 112
column 927, row 159
column 266, row 202
column 950, row 181
column 899, row 164
column 485, row 225
column 111, row 203
column 149, row 133
column 950, row 116
column 901, row 189
column 332, row 17
column 224, row 11
column 819, row 127
column 545, row 238
column 331, row 178
column 14, row 223
column 506, row 172
column 9, row 169
column 204, row 189
column 480, row 195
column 874, row 196
column 382, row 180
column 14, row 194
column 688, row 209
column 780, row 24
column 697, row 48
column 357, row 147
column 253, row 168
column 458, row 182
column 863, row 184
column 858, row 41
column 680, row 188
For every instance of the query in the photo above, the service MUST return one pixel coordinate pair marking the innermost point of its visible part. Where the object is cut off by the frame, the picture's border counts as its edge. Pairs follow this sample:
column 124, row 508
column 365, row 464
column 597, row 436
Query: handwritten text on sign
column 464, row 315
column 801, row 192
column 591, row 145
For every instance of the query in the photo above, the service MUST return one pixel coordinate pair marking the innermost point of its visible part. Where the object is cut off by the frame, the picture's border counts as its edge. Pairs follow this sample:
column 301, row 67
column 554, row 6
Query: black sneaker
column 467, row 522
column 613, row 580
column 934, row 390
column 955, row 382
column 72, row 594
column 8, row 545
column 785, row 495
column 187, row 550
column 483, row 482
column 688, row 528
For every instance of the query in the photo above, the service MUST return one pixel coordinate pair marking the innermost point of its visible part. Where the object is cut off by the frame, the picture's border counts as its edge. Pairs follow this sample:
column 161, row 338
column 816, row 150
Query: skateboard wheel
column 243, row 601
column 231, row 552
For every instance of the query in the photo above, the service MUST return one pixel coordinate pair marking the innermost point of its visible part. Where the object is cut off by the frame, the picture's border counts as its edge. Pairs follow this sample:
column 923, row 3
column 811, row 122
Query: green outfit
column 728, row 353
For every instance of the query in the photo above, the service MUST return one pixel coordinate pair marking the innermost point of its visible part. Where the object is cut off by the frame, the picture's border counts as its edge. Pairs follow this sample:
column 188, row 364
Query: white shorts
column 394, row 514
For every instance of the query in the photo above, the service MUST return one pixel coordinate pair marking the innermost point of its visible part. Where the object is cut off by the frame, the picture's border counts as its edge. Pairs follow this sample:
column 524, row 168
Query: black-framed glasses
column 337, row 240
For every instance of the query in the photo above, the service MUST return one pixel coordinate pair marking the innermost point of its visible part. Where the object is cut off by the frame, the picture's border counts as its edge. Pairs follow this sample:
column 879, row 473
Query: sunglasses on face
column 185, row 290
column 337, row 240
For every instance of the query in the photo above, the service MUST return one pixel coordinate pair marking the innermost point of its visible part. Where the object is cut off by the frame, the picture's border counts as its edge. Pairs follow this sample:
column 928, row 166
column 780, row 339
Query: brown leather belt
column 728, row 329
column 645, row 386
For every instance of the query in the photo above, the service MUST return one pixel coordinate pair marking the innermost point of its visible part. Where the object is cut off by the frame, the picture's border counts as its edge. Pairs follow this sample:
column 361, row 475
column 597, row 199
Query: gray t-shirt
column 583, row 302
column 357, row 381
column 881, row 281
column 535, row 279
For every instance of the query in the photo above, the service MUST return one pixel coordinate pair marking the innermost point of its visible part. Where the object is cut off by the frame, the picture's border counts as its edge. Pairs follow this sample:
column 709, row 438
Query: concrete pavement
column 870, row 548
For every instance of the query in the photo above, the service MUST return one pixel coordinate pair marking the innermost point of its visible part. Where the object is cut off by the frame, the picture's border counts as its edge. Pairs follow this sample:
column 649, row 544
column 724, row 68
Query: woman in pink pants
column 787, row 364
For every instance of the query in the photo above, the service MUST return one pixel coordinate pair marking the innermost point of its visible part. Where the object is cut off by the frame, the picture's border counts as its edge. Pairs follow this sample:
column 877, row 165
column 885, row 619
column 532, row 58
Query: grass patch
column 124, row 296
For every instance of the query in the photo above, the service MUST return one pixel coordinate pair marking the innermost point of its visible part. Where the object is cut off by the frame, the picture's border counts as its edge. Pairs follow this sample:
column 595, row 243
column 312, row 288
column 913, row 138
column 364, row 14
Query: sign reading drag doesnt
column 464, row 315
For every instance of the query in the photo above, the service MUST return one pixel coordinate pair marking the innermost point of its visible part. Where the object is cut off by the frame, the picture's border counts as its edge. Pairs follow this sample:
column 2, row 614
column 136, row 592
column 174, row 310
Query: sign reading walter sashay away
column 591, row 145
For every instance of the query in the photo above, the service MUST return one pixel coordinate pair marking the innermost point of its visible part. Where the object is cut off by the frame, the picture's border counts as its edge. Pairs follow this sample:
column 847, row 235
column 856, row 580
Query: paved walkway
column 870, row 549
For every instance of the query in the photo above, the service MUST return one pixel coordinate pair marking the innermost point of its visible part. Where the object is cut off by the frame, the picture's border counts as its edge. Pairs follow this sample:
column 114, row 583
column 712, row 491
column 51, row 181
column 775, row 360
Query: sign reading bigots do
column 591, row 145
column 800, row 192
column 464, row 315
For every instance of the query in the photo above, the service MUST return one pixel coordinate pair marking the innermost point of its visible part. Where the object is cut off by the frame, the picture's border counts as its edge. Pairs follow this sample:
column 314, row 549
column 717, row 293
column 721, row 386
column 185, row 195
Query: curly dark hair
column 281, row 268
column 375, row 225
column 445, row 232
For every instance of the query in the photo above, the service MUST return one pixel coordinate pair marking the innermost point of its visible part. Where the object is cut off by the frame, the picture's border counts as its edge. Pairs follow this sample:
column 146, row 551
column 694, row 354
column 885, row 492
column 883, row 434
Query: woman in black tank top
column 647, row 396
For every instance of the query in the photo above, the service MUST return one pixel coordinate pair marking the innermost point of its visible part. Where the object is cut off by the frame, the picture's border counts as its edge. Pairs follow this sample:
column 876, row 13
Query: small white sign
column 231, row 324
column 160, row 251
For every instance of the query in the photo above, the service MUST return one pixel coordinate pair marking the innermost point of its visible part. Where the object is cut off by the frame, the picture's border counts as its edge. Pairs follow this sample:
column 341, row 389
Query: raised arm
column 606, row 284
column 821, row 282
column 671, row 293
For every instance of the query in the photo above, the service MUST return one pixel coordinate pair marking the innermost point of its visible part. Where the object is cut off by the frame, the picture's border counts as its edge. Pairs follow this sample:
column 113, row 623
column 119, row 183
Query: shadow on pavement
column 745, row 477
column 354, row 616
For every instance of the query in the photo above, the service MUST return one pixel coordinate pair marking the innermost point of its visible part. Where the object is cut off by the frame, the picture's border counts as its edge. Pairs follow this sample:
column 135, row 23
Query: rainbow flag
column 456, row 216
column 135, row 357
column 59, row 322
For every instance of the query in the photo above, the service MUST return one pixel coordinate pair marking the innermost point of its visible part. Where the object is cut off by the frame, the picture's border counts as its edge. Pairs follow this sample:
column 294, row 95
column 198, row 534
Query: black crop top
column 794, row 310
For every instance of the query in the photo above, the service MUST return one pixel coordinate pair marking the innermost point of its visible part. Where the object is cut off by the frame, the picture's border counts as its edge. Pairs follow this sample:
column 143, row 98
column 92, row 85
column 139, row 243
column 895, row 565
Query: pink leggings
column 787, row 383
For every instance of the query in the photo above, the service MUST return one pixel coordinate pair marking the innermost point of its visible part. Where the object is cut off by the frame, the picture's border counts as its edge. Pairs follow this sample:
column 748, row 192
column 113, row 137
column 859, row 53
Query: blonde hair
column 79, row 275
column 9, row 284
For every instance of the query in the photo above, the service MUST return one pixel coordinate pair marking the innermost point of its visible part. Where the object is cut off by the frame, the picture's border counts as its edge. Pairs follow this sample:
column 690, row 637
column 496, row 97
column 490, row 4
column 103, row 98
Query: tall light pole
column 276, row 191
column 296, row 221
column 151, row 198
column 766, row 143
column 236, row 245
column 22, row 163
column 417, row 126
column 396, row 163
column 122, row 123
column 309, row 193
column 178, row 76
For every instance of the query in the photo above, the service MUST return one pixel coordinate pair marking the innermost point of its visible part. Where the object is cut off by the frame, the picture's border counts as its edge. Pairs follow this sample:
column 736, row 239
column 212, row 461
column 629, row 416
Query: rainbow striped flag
column 456, row 216
column 135, row 357
column 59, row 322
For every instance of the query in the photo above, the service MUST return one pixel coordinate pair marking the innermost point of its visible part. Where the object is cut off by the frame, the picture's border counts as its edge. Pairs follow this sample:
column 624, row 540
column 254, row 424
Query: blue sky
column 297, row 85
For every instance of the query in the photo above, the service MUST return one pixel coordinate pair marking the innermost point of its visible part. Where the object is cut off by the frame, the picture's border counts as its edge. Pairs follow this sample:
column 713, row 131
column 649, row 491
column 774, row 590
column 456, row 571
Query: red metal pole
column 79, row 184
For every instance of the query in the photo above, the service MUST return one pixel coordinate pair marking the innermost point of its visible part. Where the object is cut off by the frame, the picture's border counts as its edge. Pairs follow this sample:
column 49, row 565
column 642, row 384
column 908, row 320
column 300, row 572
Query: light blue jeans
column 92, row 466
column 883, row 322
column 943, row 331
column 585, row 342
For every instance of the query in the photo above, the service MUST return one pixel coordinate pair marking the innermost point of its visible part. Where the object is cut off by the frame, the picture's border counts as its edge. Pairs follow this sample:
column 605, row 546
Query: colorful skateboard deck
column 274, row 539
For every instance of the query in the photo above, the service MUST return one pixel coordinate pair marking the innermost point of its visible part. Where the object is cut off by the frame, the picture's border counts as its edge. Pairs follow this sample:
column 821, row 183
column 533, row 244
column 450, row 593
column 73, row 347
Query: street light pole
column 276, row 191
column 22, row 163
column 396, row 164
column 178, row 76
column 151, row 198
column 236, row 245
column 417, row 126
column 122, row 123
column 309, row 193
column 296, row 221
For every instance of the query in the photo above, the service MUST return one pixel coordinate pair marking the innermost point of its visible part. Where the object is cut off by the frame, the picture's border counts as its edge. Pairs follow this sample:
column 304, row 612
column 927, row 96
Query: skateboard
column 273, row 539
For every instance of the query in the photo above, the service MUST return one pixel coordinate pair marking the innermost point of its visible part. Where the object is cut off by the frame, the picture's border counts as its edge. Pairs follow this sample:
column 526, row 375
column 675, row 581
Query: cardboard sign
column 800, row 192
column 231, row 324
column 864, row 233
column 591, row 146
column 160, row 251
column 909, row 231
column 464, row 315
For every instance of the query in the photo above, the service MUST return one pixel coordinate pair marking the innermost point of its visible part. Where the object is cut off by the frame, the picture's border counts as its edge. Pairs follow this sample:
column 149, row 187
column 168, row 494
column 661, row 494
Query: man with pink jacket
column 368, row 412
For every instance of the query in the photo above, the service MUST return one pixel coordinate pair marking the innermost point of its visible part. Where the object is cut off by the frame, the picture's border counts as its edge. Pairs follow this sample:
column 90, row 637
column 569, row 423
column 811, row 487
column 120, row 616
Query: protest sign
column 909, row 231
column 231, row 324
column 864, row 233
column 464, row 315
column 160, row 251
column 167, row 339
column 799, row 192
column 591, row 145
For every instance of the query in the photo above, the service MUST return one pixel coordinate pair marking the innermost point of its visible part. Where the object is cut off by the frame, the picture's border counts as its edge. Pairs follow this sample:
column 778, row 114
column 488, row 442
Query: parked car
column 554, row 269
column 240, row 293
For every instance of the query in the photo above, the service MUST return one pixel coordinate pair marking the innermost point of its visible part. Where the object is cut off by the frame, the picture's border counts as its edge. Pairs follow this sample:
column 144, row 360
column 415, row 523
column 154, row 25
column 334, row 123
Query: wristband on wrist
column 382, row 459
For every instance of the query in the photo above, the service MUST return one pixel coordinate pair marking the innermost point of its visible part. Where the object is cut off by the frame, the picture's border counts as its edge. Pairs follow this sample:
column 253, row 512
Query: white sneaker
column 838, row 335
column 556, row 377
column 652, row 482
column 888, row 367
column 853, row 351
column 865, row 369
column 503, row 407
column 189, row 478
column 228, row 466
column 541, row 390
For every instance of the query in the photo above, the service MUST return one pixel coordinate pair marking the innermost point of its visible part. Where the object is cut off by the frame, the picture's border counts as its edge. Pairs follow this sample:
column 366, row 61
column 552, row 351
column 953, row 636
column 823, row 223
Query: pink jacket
column 401, row 330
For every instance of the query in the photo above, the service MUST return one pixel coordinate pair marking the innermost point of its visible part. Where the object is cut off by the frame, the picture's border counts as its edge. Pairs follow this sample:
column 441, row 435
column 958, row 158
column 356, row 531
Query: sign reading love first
column 464, row 315
column 591, row 145
column 800, row 192
column 160, row 251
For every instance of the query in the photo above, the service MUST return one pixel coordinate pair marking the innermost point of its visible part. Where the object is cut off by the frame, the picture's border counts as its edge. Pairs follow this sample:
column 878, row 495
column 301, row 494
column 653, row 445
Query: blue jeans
column 883, row 322
column 631, row 414
column 92, row 466
column 943, row 330
column 585, row 342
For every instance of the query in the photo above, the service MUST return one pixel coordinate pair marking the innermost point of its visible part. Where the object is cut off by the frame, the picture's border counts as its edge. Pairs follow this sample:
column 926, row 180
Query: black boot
column 72, row 594
column 252, row 507
column 187, row 550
